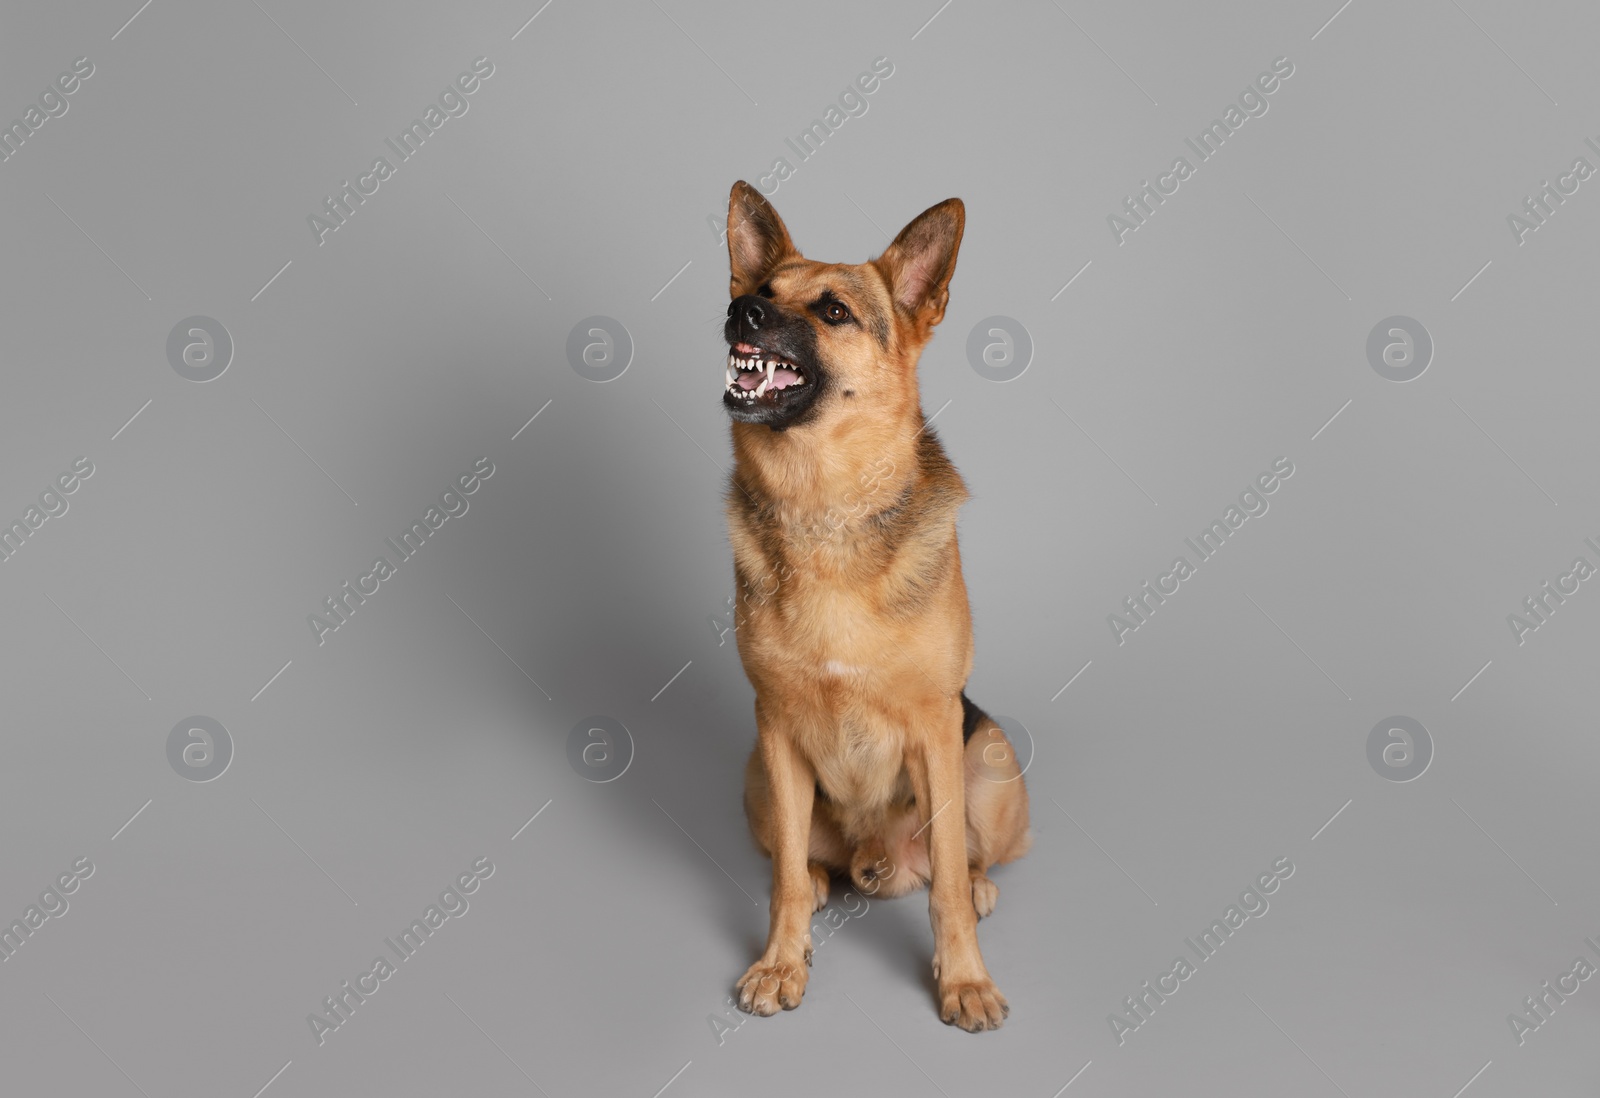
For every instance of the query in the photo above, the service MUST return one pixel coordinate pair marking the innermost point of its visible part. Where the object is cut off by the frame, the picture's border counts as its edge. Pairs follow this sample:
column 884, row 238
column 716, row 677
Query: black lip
column 779, row 409
column 787, row 338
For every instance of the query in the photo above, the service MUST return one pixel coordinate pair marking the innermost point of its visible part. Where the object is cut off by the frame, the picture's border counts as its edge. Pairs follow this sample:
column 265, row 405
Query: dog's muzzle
column 770, row 378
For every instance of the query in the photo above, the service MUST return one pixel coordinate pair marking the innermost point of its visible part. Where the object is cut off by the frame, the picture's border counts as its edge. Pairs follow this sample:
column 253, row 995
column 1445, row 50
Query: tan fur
column 853, row 623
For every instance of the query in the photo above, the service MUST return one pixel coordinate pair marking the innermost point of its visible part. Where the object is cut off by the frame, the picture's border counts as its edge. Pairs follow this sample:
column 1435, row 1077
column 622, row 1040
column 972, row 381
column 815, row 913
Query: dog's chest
column 818, row 625
column 838, row 665
column 858, row 766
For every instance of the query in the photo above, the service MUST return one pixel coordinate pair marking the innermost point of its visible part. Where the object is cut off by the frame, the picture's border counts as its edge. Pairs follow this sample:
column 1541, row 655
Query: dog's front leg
column 778, row 979
column 967, row 996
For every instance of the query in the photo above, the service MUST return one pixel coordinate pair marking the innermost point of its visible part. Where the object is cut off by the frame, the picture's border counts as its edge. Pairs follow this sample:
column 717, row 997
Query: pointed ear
column 919, row 263
column 757, row 239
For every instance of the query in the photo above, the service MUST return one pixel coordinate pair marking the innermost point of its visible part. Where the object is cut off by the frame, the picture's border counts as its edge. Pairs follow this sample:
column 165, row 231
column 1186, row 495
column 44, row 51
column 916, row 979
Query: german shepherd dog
column 852, row 617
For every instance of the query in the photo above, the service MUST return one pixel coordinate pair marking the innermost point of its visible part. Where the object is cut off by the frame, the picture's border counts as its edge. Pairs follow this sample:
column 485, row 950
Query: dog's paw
column 819, row 885
column 974, row 1005
column 766, row 987
column 984, row 894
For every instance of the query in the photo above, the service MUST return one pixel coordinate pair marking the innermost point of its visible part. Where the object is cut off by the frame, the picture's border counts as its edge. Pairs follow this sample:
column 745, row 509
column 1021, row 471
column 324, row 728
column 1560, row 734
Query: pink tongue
column 782, row 378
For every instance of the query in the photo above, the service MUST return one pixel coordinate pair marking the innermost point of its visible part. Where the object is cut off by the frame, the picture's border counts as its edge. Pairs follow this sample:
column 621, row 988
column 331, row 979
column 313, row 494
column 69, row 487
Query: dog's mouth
column 770, row 387
column 756, row 375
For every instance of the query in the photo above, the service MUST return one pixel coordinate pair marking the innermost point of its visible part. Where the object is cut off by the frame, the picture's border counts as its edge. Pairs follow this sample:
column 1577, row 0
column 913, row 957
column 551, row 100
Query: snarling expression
column 808, row 338
column 775, row 374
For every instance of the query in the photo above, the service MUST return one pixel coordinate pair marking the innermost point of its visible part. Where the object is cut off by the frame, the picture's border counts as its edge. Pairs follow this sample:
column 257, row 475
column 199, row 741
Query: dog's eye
column 836, row 312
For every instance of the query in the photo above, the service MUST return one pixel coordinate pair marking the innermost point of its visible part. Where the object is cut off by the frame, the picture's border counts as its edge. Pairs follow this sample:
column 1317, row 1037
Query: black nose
column 749, row 310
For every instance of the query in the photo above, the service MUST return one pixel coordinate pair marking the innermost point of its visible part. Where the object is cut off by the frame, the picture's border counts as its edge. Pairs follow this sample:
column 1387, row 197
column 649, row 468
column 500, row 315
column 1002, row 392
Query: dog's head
column 812, row 342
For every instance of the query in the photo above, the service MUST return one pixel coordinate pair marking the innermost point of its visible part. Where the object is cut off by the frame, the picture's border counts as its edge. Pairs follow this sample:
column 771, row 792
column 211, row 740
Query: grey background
column 373, row 369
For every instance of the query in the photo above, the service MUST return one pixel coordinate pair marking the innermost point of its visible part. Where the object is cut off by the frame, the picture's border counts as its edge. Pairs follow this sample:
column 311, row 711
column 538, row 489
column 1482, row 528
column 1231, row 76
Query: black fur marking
column 760, row 515
column 877, row 321
column 917, row 584
column 878, row 325
column 971, row 717
column 931, row 454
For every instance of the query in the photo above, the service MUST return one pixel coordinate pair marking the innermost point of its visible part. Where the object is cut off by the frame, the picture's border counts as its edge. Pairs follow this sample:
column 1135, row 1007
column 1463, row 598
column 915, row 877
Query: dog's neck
column 851, row 469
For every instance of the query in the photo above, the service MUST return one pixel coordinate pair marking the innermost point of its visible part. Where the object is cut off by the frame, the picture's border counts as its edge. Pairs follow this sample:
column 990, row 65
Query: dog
column 852, row 618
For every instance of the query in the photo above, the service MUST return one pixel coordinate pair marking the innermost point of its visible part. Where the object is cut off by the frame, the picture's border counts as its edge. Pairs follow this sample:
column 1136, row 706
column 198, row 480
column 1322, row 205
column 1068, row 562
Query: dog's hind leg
column 997, row 807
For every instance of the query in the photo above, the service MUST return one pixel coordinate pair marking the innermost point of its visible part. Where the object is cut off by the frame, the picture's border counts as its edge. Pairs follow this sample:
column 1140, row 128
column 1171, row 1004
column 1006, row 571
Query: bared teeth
column 738, row 366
